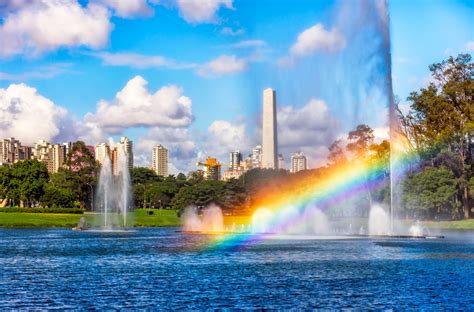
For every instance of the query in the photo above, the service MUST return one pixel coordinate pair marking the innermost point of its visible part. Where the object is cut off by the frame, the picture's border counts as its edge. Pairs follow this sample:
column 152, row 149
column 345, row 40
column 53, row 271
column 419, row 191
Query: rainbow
column 335, row 185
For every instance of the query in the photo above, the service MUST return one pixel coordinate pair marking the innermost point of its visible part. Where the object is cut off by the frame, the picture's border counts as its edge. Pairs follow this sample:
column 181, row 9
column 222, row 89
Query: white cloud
column 135, row 106
column 381, row 133
column 45, row 25
column 129, row 8
column 178, row 141
column 227, row 136
column 310, row 129
column 28, row 116
column 140, row 61
column 42, row 72
column 312, row 40
column 201, row 11
column 316, row 38
column 223, row 65
column 231, row 32
column 470, row 46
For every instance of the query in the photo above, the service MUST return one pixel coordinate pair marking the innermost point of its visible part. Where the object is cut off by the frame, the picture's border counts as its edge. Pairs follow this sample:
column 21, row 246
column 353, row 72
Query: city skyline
column 107, row 84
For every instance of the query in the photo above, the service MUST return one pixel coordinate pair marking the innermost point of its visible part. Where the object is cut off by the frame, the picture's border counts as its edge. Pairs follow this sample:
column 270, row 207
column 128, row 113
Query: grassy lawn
column 159, row 218
column 38, row 220
column 451, row 225
column 46, row 220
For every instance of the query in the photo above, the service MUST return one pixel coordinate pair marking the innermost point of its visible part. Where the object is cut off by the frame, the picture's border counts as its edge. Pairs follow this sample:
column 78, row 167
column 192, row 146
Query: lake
column 164, row 269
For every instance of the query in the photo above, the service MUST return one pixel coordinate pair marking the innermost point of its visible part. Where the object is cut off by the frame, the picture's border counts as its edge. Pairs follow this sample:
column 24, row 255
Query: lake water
column 162, row 269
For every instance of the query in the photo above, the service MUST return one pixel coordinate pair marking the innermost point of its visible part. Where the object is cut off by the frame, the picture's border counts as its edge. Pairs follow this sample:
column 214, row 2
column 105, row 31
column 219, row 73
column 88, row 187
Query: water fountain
column 112, row 200
column 211, row 221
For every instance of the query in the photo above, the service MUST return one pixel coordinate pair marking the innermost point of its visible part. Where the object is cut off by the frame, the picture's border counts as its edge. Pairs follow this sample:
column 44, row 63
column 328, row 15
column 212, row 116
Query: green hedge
column 43, row 210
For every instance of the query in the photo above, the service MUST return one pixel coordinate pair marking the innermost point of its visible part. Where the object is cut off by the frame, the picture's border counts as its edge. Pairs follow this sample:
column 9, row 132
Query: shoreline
column 160, row 218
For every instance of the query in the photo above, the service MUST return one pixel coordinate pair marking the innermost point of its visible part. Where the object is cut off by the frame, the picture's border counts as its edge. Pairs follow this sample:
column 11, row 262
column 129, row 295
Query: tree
column 336, row 153
column 55, row 196
column 441, row 117
column 81, row 162
column 27, row 181
column 5, row 187
column 432, row 191
column 360, row 140
column 144, row 175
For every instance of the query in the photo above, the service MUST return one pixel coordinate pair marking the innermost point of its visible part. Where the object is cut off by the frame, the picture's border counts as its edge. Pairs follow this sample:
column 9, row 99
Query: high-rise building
column 11, row 151
column 53, row 155
column 160, row 160
column 101, row 150
column 281, row 162
column 114, row 160
column 299, row 162
column 257, row 156
column 269, row 130
column 127, row 146
column 235, row 159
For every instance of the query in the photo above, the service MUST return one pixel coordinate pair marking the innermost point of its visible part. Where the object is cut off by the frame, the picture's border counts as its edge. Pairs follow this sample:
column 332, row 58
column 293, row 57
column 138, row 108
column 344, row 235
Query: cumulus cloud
column 135, row 106
column 140, row 61
column 315, row 39
column 310, row 128
column 223, row 65
column 129, row 8
column 45, row 25
column 178, row 141
column 201, row 11
column 27, row 115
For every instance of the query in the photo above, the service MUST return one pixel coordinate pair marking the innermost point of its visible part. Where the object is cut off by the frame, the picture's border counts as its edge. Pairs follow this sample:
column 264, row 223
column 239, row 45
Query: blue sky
column 189, row 74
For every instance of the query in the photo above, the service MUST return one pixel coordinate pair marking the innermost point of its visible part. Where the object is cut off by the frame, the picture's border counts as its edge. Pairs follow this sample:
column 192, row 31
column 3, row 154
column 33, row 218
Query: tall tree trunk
column 465, row 202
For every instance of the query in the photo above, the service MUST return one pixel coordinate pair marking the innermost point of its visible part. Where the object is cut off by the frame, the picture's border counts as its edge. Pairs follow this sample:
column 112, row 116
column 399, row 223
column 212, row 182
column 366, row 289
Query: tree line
column 438, row 128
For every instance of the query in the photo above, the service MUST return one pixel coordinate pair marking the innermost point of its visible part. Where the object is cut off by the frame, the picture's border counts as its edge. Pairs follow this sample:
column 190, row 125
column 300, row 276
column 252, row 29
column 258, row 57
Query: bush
column 43, row 210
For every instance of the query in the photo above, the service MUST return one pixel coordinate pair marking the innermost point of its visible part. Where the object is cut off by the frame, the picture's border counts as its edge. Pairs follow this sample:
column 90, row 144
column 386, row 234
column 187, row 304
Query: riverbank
column 159, row 218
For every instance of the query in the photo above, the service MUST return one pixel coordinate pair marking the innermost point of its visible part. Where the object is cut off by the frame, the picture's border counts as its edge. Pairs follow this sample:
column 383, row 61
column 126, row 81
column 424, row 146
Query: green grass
column 138, row 218
column 451, row 225
column 37, row 220
column 160, row 218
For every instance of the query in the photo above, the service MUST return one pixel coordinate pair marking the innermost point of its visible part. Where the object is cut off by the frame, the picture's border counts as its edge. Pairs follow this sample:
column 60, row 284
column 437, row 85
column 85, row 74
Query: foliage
column 24, row 181
column 142, row 175
column 41, row 210
column 360, row 140
column 82, row 169
column 431, row 190
column 440, row 123
column 55, row 196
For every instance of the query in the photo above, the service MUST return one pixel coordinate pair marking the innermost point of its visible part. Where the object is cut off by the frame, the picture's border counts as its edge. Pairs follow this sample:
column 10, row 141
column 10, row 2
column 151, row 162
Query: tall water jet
column 104, row 191
column 124, row 184
column 113, row 191
column 191, row 220
column 379, row 221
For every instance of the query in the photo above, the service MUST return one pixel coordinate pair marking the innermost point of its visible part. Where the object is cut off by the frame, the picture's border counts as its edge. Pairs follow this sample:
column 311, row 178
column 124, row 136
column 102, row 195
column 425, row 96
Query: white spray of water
column 124, row 187
column 113, row 193
column 212, row 219
column 317, row 222
column 104, row 191
column 261, row 220
column 418, row 230
column 379, row 221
